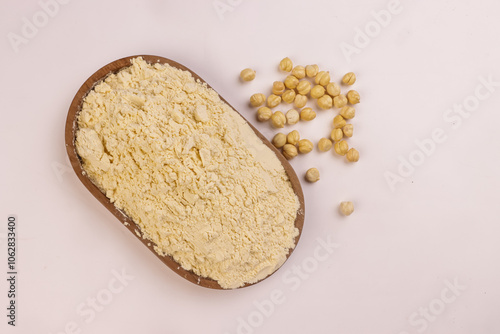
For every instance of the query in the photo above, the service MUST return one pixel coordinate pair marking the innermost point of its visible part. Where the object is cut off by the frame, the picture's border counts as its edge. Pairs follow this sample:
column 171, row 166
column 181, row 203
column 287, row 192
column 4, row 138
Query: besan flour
column 189, row 171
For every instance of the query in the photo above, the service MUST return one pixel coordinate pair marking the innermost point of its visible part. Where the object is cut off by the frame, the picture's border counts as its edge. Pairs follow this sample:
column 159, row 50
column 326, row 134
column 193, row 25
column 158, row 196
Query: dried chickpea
column 264, row 114
column 324, row 144
column 312, row 70
column 273, row 100
column 349, row 78
column 322, row 78
column 300, row 101
column 339, row 101
column 348, row 112
column 293, row 137
column 288, row 96
column 312, row 175
column 307, row 114
column 338, row 122
column 333, row 89
column 278, row 119
column 279, row 140
column 304, row 87
column 289, row 151
column 299, row 72
column 247, row 74
column 346, row 208
column 286, row 64
column 353, row 96
column 256, row 100
column 352, row 155
column 317, row 91
column 305, row 146
column 348, row 130
column 292, row 116
column 291, row 82
column 337, row 134
column 341, row 147
column 325, row 102
column 278, row 88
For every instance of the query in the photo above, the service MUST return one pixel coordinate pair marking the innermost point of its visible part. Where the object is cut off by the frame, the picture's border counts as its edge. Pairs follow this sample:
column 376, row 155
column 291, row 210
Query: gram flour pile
column 189, row 171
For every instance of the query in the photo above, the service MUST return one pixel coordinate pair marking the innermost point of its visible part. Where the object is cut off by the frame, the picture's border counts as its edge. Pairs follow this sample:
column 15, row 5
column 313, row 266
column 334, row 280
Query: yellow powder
column 189, row 171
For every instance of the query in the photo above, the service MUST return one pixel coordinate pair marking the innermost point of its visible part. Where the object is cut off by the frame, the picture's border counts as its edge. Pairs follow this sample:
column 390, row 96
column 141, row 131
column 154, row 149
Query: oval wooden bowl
column 71, row 127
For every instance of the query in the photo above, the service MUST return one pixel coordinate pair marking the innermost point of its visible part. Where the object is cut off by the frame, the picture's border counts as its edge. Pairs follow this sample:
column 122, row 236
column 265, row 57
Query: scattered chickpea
column 305, row 146
column 278, row 88
column 349, row 78
column 333, row 89
column 322, row 78
column 289, row 151
column 325, row 102
column 304, row 87
column 353, row 96
column 348, row 130
column 264, row 114
column 341, row 147
column 307, row 114
column 299, row 72
column 324, row 144
column 293, row 137
column 339, row 101
column 312, row 70
column 347, row 112
column 312, row 175
column 247, row 74
column 317, row 91
column 292, row 116
column 346, row 208
column 338, row 122
column 279, row 140
column 273, row 100
column 300, row 101
column 337, row 134
column 288, row 96
column 278, row 119
column 352, row 155
column 291, row 82
column 286, row 64
column 256, row 100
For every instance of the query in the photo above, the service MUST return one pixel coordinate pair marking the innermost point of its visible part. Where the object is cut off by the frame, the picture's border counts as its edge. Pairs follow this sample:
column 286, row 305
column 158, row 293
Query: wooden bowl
column 70, row 131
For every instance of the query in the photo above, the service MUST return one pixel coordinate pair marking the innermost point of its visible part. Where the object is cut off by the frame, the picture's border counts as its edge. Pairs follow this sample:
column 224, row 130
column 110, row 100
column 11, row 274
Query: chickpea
column 278, row 88
column 286, row 64
column 341, row 147
column 322, row 78
column 278, row 119
column 304, row 87
column 247, row 74
column 279, row 140
column 312, row 175
column 352, row 155
column 324, row 144
column 317, row 91
column 312, row 70
column 289, row 151
column 338, row 122
column 353, row 96
column 347, row 112
column 339, row 101
column 293, row 137
column 264, row 114
column 333, row 89
column 307, row 114
column 256, row 100
column 348, row 130
column 291, row 82
column 299, row 72
column 337, row 134
column 325, row 102
column 288, row 96
column 292, row 116
column 349, row 78
column 300, row 101
column 305, row 146
column 346, row 208
column 273, row 100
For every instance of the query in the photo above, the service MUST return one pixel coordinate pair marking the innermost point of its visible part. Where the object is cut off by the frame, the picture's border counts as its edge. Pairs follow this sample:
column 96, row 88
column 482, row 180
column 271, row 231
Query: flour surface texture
column 189, row 171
